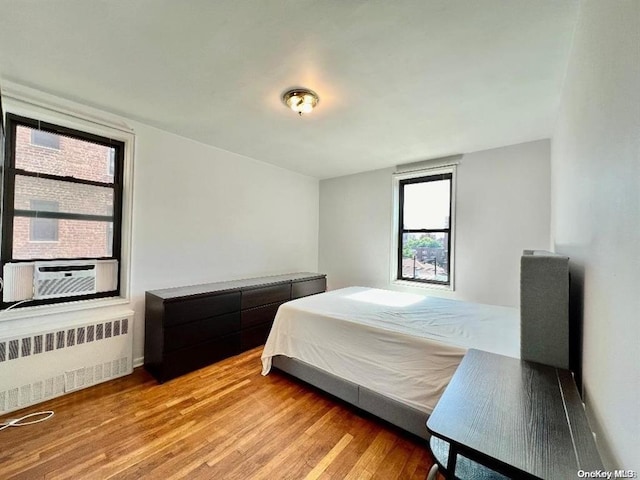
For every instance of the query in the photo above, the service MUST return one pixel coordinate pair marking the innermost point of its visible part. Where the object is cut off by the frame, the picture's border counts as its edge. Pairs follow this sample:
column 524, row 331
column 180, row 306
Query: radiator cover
column 38, row 366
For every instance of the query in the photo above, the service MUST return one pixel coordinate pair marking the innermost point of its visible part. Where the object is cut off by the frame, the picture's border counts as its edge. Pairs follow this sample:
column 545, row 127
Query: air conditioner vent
column 63, row 279
column 20, row 279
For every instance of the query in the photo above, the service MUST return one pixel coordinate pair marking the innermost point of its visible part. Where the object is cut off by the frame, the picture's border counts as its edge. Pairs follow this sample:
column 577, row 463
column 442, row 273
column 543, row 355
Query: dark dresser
column 187, row 328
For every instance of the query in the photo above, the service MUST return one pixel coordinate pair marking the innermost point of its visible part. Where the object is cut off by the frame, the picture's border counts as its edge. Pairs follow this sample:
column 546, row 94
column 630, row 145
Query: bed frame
column 544, row 330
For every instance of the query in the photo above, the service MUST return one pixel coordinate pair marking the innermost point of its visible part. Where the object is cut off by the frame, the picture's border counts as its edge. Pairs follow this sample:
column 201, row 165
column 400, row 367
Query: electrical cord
column 15, row 305
column 18, row 422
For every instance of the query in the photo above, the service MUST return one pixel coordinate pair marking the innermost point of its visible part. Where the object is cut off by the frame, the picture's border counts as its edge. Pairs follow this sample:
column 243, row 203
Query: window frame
column 9, row 213
column 412, row 177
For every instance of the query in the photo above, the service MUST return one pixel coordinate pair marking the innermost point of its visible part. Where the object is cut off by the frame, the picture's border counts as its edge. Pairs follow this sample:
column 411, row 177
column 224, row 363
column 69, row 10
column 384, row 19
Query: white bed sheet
column 401, row 345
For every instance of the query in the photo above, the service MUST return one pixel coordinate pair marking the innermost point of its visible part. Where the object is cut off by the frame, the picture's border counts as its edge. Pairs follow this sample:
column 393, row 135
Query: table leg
column 433, row 473
column 451, row 462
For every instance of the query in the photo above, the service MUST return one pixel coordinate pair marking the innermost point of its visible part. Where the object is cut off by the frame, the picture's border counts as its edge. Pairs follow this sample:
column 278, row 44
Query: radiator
column 45, row 364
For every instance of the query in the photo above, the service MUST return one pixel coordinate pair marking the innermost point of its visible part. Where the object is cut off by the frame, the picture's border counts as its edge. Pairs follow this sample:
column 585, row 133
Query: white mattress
column 401, row 345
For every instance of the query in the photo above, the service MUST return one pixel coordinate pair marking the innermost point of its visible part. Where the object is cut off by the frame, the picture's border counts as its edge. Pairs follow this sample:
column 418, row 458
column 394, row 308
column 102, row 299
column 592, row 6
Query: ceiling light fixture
column 300, row 100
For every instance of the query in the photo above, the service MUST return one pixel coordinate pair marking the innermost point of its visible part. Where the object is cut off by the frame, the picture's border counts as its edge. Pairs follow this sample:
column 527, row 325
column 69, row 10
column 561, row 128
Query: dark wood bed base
column 544, row 287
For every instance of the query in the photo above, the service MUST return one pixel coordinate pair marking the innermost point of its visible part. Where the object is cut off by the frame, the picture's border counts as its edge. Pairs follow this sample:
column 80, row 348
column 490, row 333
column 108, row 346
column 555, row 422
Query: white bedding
column 401, row 345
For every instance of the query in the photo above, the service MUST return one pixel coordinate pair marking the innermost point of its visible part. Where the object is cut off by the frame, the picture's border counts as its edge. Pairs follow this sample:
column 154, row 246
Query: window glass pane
column 111, row 167
column 44, row 229
column 68, row 197
column 426, row 256
column 45, row 139
column 72, row 157
column 76, row 239
column 427, row 205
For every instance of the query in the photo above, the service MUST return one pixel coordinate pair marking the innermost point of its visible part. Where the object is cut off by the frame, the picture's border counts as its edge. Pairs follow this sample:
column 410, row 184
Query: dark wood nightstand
column 517, row 418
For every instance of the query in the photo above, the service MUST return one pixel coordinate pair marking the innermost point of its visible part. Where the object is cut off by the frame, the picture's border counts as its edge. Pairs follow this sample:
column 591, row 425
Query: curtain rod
column 431, row 164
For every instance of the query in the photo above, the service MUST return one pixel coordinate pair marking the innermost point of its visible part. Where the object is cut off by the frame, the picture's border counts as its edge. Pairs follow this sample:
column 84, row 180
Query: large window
column 424, row 229
column 62, row 195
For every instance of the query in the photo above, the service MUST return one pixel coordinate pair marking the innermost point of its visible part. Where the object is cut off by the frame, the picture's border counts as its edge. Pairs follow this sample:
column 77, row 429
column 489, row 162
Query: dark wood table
column 522, row 419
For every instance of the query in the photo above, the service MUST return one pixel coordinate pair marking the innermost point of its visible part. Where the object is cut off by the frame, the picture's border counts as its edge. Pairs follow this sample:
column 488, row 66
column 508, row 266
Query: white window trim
column 396, row 178
column 32, row 103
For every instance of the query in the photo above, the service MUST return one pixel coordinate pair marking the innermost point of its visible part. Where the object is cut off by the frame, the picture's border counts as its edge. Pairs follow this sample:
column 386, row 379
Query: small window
column 43, row 229
column 111, row 162
column 41, row 138
column 109, row 244
column 424, row 229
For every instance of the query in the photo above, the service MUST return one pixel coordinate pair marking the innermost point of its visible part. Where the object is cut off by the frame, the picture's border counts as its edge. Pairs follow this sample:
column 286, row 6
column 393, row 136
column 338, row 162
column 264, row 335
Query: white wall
column 596, row 215
column 502, row 207
column 202, row 214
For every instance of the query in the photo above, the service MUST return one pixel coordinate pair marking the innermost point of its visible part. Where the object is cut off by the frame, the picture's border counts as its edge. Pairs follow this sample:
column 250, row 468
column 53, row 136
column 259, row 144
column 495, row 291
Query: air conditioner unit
column 63, row 279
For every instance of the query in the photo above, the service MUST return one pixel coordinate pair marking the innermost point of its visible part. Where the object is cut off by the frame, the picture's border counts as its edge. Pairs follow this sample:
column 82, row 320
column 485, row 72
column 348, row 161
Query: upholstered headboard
column 544, row 308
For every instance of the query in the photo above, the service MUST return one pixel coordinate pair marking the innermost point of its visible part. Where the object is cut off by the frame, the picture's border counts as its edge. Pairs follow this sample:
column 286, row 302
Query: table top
column 232, row 285
column 521, row 418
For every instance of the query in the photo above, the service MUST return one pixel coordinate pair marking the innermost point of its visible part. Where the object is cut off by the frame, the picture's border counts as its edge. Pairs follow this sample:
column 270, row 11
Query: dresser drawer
column 260, row 315
column 308, row 287
column 255, row 336
column 193, row 333
column 189, row 310
column 257, row 297
column 188, row 359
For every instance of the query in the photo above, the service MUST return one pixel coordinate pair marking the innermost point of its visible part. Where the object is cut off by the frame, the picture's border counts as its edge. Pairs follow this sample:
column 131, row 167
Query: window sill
column 61, row 308
column 424, row 286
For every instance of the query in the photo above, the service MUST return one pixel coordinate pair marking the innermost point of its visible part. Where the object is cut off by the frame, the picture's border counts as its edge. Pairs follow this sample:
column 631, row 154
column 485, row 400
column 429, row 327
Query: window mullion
column 429, row 230
column 63, row 215
column 60, row 178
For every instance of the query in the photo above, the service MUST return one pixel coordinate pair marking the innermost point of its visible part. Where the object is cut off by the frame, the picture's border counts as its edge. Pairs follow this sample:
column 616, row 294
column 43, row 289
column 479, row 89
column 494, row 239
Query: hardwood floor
column 225, row 421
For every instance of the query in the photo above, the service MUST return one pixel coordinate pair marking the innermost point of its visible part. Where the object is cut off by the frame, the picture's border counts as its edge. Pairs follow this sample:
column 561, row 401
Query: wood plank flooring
column 225, row 421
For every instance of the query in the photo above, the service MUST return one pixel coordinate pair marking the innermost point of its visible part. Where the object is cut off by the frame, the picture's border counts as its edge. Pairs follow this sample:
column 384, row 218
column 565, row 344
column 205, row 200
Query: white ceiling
column 399, row 81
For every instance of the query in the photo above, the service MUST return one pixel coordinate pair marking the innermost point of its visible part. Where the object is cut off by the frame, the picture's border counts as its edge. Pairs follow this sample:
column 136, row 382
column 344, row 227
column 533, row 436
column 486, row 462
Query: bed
column 392, row 353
